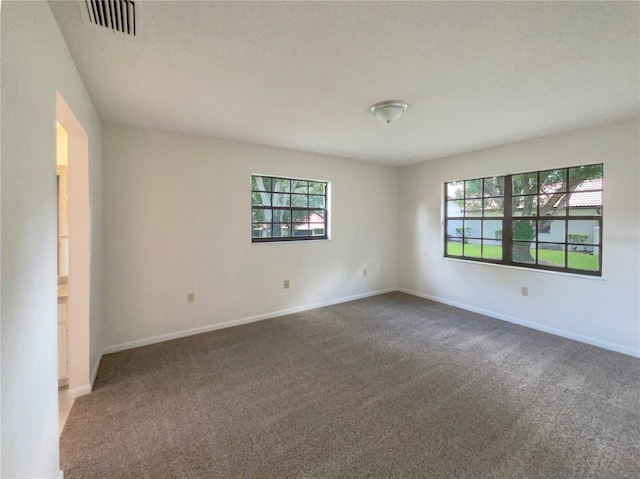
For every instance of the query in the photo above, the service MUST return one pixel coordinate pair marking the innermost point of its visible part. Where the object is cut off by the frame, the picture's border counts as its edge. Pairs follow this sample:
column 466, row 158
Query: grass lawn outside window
column 579, row 260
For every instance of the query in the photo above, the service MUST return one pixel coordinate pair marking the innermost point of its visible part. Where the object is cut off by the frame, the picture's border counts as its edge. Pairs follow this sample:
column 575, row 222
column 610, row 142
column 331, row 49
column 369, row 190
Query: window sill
column 531, row 270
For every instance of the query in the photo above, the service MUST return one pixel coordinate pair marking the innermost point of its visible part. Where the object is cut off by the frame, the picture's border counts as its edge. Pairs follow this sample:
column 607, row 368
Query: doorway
column 72, row 171
column 62, row 164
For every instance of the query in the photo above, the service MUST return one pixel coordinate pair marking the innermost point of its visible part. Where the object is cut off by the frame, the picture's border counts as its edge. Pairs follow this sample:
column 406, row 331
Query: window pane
column 299, row 216
column 494, row 206
column 454, row 208
column 586, row 176
column 492, row 249
column 492, row 229
column 281, row 230
column 472, row 228
column 552, row 181
column 583, row 232
column 317, row 188
column 551, row 230
column 524, row 206
column 473, row 188
column 316, row 229
column 316, row 201
column 454, row 249
column 454, row 229
column 260, row 199
column 260, row 183
column 281, row 199
column 299, row 200
column 300, row 187
column 523, row 230
column 281, row 185
column 585, row 204
column 281, row 216
column 524, row 184
column 583, row 260
column 524, row 252
column 473, row 207
column 455, row 190
column 261, row 231
column 552, row 205
column 317, row 216
column 471, row 249
column 550, row 254
column 260, row 215
column 494, row 186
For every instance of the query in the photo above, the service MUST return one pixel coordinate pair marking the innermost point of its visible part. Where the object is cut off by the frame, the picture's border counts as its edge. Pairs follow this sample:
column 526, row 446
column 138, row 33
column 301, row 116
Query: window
column 548, row 219
column 286, row 209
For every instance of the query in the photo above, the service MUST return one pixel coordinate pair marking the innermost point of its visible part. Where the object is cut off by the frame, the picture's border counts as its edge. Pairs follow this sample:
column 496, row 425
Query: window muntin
column 287, row 209
column 550, row 219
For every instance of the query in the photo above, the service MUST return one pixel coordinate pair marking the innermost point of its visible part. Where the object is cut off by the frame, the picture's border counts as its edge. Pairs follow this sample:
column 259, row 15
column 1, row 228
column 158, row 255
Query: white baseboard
column 94, row 370
column 79, row 391
column 236, row 322
column 540, row 327
column 60, row 474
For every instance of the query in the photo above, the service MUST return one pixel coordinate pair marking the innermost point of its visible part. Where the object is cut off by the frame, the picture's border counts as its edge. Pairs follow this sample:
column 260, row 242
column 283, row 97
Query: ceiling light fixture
column 389, row 110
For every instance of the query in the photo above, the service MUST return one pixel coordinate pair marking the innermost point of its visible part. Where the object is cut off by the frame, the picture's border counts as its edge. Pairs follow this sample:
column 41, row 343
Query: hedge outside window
column 287, row 209
column 549, row 219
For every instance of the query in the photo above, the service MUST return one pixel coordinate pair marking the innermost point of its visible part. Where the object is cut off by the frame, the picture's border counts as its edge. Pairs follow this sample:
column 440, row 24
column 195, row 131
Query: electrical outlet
column 524, row 291
column 191, row 297
column 286, row 284
column 364, row 272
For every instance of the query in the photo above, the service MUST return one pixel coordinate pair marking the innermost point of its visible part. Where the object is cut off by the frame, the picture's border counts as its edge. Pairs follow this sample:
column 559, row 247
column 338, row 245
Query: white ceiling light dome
column 389, row 110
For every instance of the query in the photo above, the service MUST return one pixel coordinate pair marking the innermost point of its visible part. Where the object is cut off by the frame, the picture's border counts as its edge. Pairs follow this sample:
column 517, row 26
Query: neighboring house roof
column 588, row 198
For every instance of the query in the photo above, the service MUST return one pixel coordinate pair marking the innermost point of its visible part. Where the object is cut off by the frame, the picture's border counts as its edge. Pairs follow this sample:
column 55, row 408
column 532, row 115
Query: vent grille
column 117, row 15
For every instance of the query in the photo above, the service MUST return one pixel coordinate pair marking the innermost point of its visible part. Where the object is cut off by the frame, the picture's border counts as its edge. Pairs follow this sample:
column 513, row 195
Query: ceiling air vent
column 117, row 15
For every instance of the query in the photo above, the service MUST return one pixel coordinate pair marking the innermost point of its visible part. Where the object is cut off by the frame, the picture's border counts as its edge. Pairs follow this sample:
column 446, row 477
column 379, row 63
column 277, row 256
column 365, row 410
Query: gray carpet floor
column 391, row 386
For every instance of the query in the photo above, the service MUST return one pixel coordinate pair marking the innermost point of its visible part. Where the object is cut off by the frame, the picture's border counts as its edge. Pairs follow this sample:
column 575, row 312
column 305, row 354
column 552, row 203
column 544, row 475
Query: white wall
column 603, row 311
column 36, row 64
column 177, row 216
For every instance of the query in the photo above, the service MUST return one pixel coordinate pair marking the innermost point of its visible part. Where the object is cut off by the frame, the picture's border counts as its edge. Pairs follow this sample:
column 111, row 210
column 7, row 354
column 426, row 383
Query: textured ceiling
column 302, row 75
